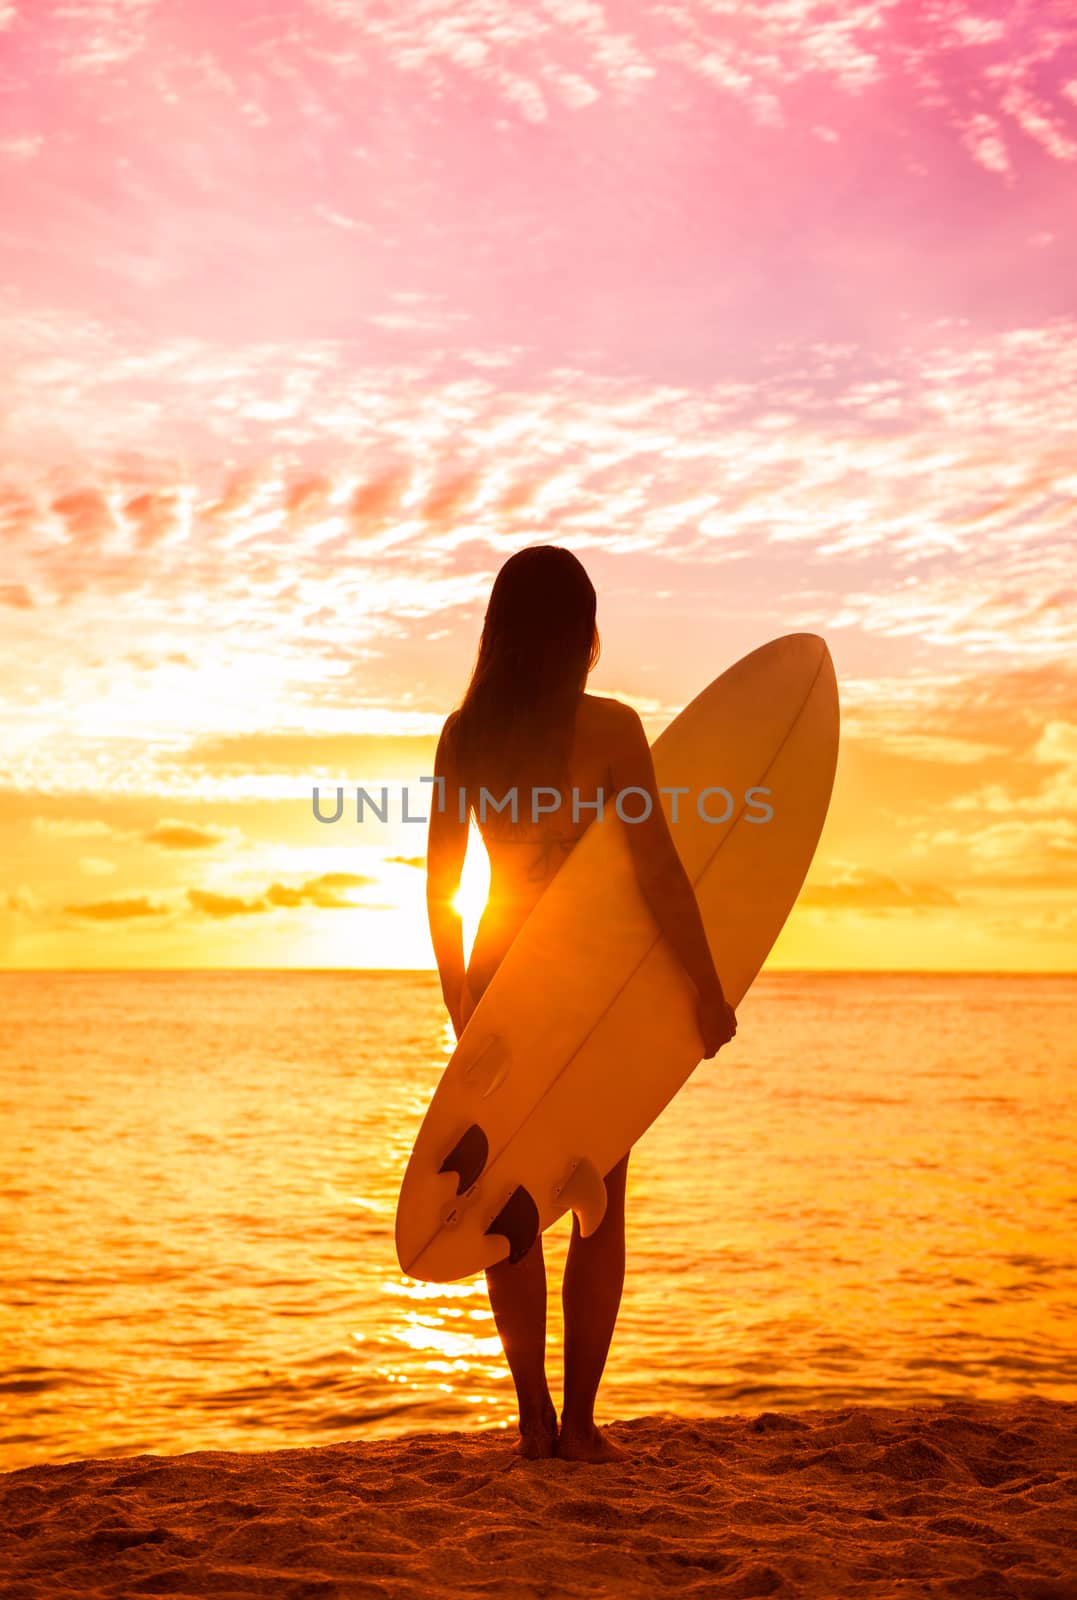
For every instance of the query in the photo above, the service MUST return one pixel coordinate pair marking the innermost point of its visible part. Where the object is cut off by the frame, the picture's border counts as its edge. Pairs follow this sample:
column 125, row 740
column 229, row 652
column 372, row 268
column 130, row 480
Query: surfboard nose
column 438, row 1260
column 791, row 653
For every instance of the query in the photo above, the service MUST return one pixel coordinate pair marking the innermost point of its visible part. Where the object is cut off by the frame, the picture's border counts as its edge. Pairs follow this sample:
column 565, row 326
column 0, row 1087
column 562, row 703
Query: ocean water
column 871, row 1196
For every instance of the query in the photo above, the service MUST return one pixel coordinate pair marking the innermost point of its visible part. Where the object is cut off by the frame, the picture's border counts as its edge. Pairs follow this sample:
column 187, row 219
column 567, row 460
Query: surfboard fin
column 518, row 1220
column 487, row 1071
column 584, row 1192
column 467, row 1157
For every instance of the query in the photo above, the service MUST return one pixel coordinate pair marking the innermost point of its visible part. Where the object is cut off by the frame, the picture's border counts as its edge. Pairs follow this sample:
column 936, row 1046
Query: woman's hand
column 717, row 1021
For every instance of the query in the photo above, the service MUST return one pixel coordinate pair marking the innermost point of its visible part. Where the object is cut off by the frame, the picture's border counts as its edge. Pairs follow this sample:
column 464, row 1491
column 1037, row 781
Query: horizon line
column 853, row 972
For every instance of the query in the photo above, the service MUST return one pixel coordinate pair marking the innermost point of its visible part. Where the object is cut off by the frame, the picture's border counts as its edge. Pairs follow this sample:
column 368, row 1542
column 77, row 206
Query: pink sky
column 313, row 311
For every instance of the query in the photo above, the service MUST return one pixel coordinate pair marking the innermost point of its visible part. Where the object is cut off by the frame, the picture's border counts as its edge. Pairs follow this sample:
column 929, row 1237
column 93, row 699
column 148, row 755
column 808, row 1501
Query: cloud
column 962, row 718
column 1028, row 792
column 96, row 36
column 407, row 861
column 1036, row 120
column 337, row 219
column 620, row 465
column 322, row 891
column 118, row 910
column 375, row 502
column 1057, row 744
column 223, row 905
column 70, row 827
column 306, row 494
column 448, row 498
column 22, row 900
column 935, row 530
column 154, row 516
column 171, row 835
column 87, row 516
column 1043, row 846
column 864, row 889
column 771, row 62
column 363, row 756
column 22, row 148
column 983, row 138
column 96, row 866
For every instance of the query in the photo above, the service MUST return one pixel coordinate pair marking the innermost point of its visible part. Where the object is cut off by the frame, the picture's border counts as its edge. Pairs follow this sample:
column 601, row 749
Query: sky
column 314, row 311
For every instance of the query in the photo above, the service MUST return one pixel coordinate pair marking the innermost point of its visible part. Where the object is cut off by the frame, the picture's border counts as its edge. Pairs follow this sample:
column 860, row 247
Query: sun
column 470, row 898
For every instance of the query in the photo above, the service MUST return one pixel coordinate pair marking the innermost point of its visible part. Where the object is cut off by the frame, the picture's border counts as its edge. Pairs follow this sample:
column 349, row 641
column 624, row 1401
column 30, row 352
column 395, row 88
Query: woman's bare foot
column 588, row 1444
column 538, row 1435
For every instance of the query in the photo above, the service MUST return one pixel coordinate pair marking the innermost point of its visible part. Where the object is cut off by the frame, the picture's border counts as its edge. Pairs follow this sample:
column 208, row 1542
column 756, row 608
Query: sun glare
column 470, row 898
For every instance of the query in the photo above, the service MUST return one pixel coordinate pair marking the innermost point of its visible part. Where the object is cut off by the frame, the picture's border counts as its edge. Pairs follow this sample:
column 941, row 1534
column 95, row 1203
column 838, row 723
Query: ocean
column 869, row 1197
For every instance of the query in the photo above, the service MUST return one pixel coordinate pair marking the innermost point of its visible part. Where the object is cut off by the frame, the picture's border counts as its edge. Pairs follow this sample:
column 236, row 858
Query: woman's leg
column 518, row 1299
column 591, row 1295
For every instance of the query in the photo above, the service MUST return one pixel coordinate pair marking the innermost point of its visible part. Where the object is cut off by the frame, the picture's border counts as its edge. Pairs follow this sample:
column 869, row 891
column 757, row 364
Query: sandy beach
column 963, row 1499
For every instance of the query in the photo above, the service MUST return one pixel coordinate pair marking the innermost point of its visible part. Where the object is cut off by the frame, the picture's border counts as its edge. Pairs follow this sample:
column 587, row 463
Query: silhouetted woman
column 526, row 721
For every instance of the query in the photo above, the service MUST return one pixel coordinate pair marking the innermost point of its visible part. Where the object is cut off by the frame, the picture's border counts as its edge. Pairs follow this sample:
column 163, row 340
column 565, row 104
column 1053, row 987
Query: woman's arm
column 445, row 850
column 664, row 883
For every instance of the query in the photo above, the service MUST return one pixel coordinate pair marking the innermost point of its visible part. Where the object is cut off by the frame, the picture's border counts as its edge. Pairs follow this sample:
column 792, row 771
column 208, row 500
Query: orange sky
column 310, row 323
column 948, row 843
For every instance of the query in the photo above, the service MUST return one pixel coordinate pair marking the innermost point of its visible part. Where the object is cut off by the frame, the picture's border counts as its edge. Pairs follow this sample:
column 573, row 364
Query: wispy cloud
column 23, row 147
column 327, row 892
column 862, row 889
column 564, row 58
column 324, row 891
column 96, row 36
column 71, row 827
column 118, row 910
column 171, row 835
column 356, row 757
column 931, row 509
column 96, row 866
column 223, row 905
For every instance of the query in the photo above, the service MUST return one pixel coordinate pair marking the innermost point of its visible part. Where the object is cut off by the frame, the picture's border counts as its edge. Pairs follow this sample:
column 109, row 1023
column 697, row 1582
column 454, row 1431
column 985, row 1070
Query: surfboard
column 588, row 1027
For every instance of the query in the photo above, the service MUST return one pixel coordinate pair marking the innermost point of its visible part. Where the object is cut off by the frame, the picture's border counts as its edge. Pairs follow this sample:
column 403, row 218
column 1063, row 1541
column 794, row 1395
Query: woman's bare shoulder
column 446, row 749
column 606, row 707
column 607, row 714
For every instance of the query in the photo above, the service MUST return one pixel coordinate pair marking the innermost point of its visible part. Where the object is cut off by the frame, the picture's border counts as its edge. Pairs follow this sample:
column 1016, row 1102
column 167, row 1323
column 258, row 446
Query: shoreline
column 964, row 1498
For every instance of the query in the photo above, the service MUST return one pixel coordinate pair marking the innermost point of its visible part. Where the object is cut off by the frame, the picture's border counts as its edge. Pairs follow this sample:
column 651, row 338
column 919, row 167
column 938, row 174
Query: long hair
column 515, row 723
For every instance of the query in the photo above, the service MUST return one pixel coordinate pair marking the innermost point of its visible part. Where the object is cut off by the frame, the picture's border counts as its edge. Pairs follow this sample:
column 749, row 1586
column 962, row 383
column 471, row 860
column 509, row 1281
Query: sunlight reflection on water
column 866, row 1197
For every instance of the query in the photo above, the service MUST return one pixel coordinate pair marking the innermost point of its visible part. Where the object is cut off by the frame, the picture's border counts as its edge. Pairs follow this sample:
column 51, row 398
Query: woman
column 525, row 723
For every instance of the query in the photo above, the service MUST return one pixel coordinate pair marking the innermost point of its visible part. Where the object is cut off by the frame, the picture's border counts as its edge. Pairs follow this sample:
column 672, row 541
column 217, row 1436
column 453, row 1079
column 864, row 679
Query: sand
column 960, row 1499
